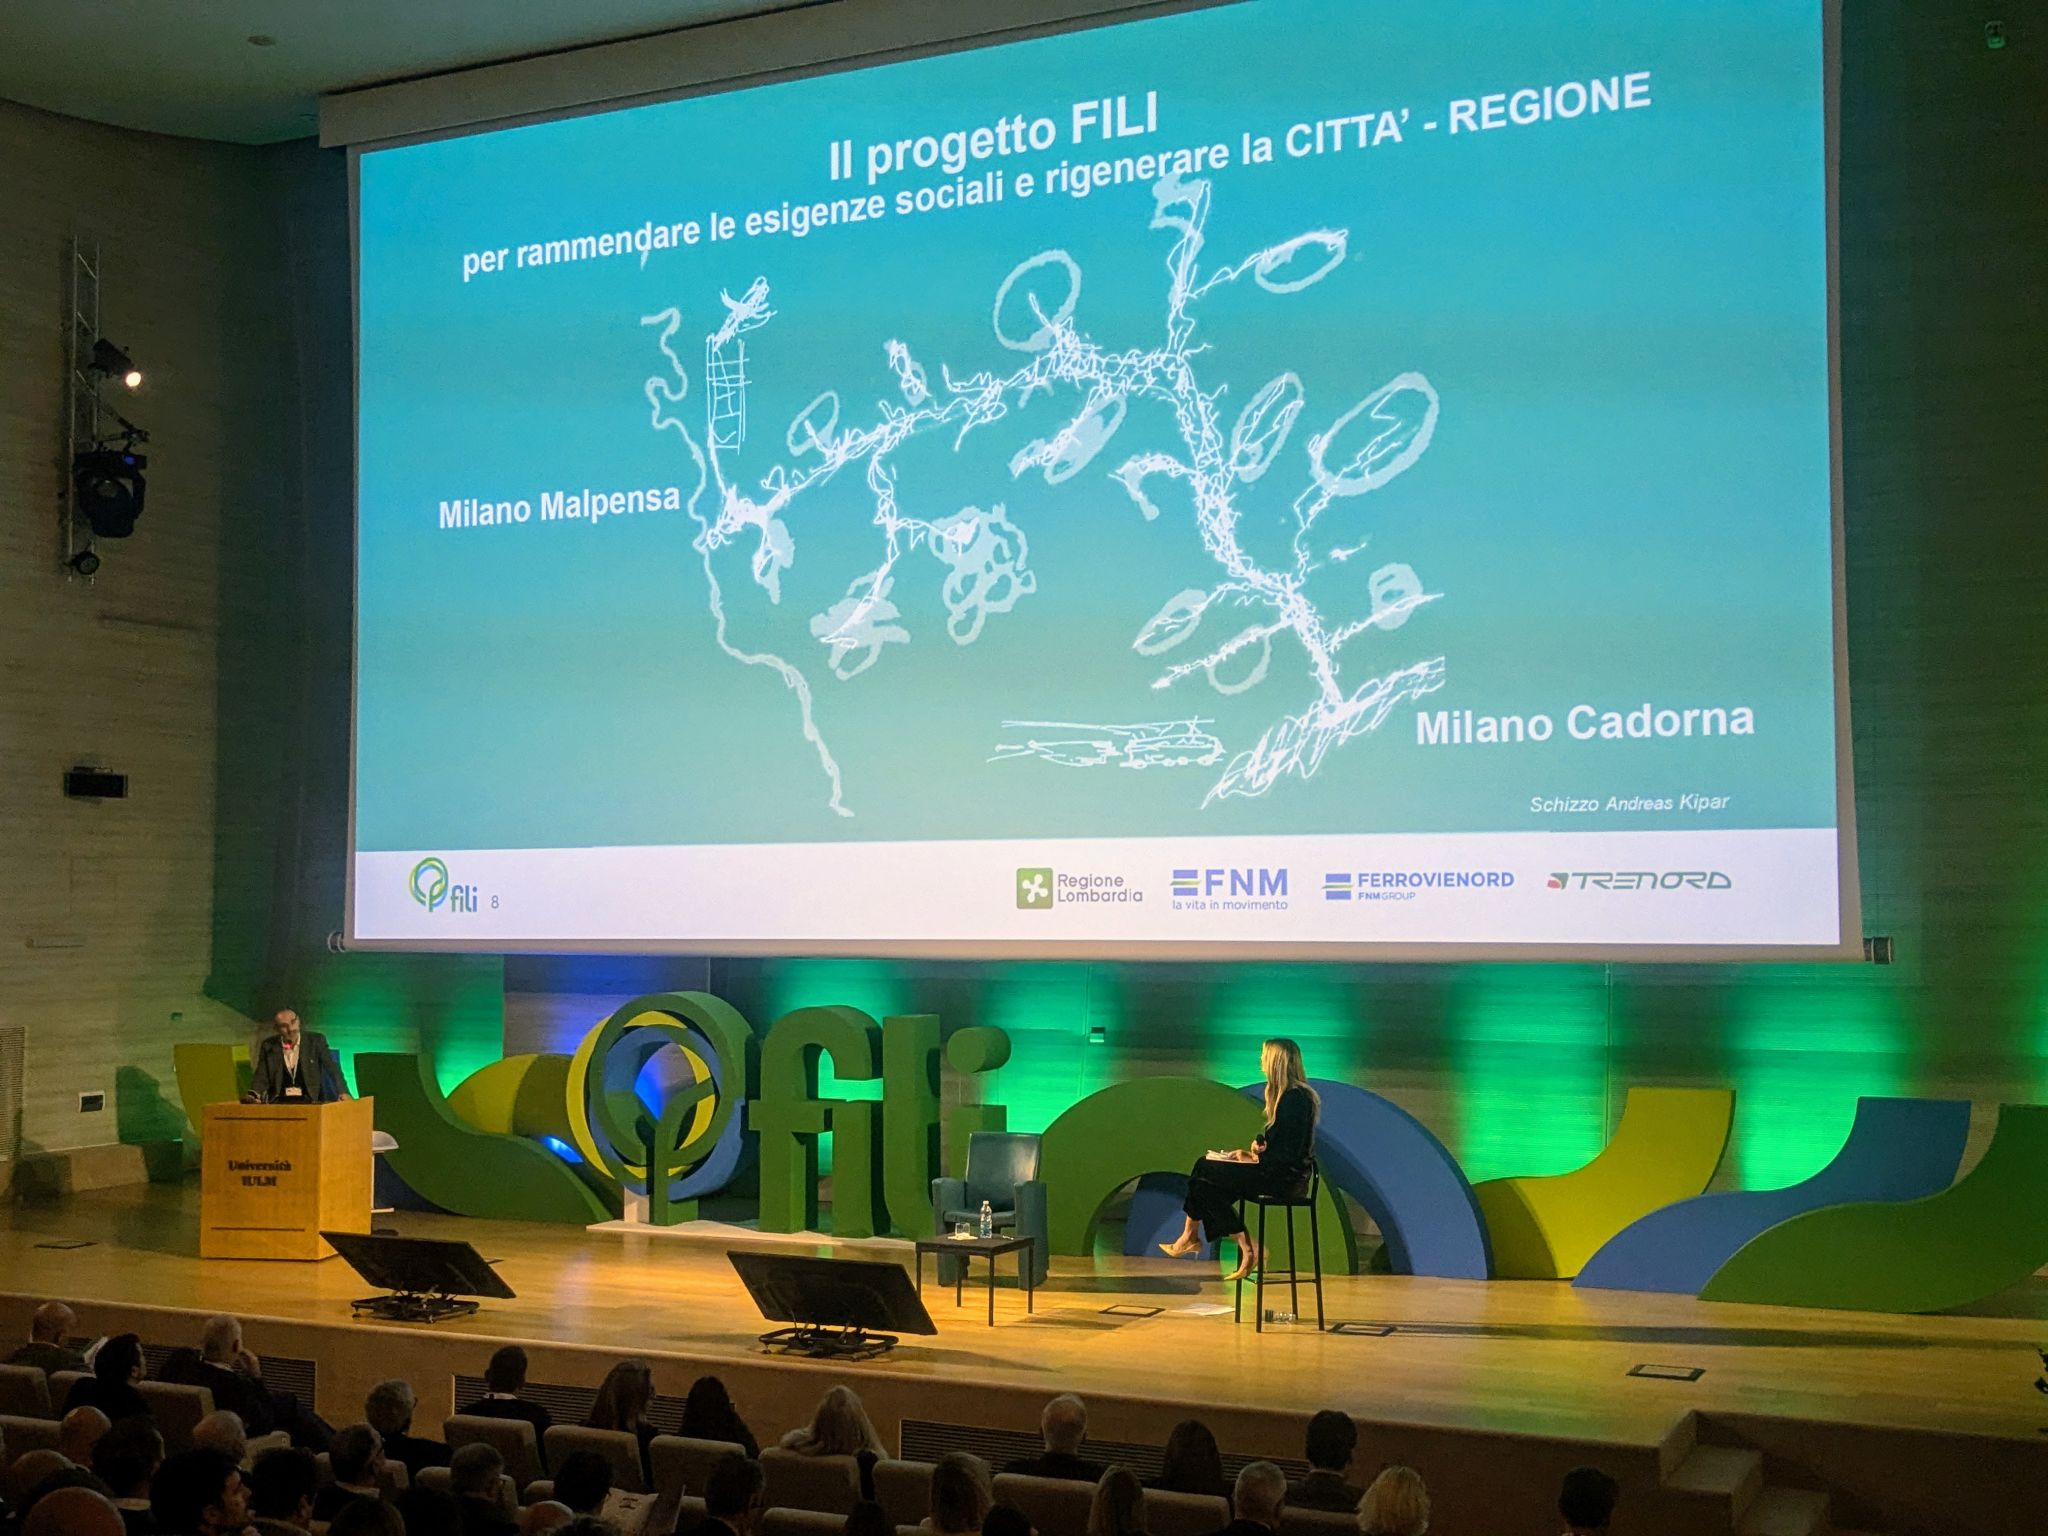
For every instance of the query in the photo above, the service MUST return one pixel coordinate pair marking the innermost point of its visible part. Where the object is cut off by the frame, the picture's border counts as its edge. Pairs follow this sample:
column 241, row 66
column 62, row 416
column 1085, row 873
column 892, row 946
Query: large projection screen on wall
column 1293, row 478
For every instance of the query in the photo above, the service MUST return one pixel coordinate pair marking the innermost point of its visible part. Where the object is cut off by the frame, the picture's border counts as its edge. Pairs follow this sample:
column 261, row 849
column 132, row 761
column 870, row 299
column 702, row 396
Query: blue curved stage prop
column 1386, row 1160
column 1897, row 1149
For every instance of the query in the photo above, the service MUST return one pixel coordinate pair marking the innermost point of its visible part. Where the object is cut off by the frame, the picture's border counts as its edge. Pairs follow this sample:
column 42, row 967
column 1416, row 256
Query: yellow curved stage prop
column 1666, row 1148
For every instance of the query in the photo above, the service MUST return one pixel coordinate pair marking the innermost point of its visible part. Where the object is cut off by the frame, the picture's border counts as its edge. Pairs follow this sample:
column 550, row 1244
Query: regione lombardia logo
column 430, row 883
column 1034, row 889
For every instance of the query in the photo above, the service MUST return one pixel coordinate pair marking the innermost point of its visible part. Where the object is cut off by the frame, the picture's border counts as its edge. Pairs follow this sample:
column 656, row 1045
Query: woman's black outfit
column 1285, row 1151
column 117, row 1400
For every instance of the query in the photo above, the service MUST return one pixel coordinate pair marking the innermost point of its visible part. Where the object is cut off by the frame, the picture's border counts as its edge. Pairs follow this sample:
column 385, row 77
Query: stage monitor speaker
column 836, row 1308
column 425, row 1275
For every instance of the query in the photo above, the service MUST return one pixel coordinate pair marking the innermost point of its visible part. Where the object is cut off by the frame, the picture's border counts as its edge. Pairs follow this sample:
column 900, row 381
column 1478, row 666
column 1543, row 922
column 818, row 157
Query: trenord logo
column 1640, row 880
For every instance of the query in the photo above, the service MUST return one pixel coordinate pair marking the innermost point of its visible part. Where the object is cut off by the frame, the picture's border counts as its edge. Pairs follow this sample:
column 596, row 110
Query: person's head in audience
column 961, row 1494
column 1006, row 1520
column 79, row 1432
column 430, row 1509
column 1064, row 1424
column 708, row 1411
column 591, row 1525
column 221, row 1343
column 1396, row 1504
column 623, row 1396
column 583, row 1481
column 506, row 1373
column 119, row 1362
column 867, row 1518
column 1192, row 1463
column 127, row 1457
column 1119, row 1507
column 1260, row 1494
column 1331, row 1442
column 53, row 1323
column 548, row 1516
column 1587, row 1500
column 199, row 1493
column 736, row 1492
column 367, row 1517
column 282, row 1486
column 477, row 1471
column 222, row 1430
column 66, row 1476
column 356, row 1455
column 30, row 1471
column 389, row 1407
column 73, row 1512
column 840, row 1427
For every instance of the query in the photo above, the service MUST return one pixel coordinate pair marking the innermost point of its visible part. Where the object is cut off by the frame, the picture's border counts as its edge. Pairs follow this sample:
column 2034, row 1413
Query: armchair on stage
column 1002, row 1168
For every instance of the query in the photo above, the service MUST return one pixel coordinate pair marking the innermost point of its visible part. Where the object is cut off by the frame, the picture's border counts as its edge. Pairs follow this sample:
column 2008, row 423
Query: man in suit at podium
column 295, row 1066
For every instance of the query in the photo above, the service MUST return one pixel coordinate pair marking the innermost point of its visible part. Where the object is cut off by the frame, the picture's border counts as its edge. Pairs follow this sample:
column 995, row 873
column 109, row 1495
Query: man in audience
column 1587, row 1501
column 734, row 1496
column 504, row 1380
column 1256, row 1502
column 79, row 1432
column 356, row 1456
column 73, row 1512
column 126, row 1459
column 282, row 1488
column 222, row 1431
column 1006, row 1520
column 199, row 1493
column 47, row 1348
column 390, row 1410
column 584, row 1482
column 1064, row 1425
column 476, row 1476
column 1332, row 1441
column 544, row 1518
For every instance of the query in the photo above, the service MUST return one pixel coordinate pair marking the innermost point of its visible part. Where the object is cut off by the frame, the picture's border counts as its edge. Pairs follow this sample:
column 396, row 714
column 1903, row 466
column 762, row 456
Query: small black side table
column 994, row 1248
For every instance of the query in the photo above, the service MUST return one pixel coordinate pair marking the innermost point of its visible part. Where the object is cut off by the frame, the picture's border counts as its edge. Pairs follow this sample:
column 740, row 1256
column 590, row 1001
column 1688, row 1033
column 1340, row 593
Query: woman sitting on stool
column 1277, row 1164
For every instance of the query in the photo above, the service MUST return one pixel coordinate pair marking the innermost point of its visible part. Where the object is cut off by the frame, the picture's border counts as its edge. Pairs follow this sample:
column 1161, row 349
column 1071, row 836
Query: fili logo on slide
column 433, row 889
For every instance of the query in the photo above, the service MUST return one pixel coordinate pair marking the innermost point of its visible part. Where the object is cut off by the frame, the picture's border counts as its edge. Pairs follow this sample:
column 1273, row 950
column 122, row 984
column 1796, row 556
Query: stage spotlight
column 110, row 490
column 86, row 562
column 110, row 361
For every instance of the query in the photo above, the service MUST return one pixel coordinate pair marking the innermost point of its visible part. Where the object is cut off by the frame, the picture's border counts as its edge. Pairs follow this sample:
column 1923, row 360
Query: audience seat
column 25, row 1392
column 1191, row 1514
column 830, row 1484
column 1314, row 1522
column 61, row 1383
column 513, row 1439
column 800, row 1522
column 690, row 1512
column 618, row 1446
column 904, row 1490
column 176, row 1410
column 20, row 1434
column 1056, row 1506
column 683, row 1463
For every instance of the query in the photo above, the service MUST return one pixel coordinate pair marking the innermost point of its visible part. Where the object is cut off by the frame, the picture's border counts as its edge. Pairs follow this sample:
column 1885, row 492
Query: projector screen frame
column 532, row 91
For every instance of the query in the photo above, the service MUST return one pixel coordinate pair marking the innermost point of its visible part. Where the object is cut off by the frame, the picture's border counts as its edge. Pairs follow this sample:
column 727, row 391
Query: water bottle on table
column 988, row 1220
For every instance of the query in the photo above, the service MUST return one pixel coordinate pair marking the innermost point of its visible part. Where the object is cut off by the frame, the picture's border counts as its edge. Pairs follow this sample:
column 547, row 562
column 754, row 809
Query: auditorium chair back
column 1192, row 1514
column 829, row 1484
column 25, row 1392
column 683, row 1463
column 441, row 1480
column 904, row 1490
column 19, row 1436
column 511, row 1438
column 1314, row 1522
column 176, row 1410
column 1056, row 1506
column 620, row 1447
column 61, row 1383
column 801, row 1522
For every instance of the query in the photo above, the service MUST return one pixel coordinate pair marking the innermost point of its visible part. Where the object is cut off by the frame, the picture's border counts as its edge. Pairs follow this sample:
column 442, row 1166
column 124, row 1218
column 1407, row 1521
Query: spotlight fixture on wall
column 109, row 486
column 110, row 362
column 102, row 490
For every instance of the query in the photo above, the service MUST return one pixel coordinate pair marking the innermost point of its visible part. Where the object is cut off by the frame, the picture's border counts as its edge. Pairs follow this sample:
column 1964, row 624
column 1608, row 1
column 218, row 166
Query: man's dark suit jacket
column 415, row 1452
column 48, row 1357
column 1058, row 1464
column 322, row 1073
column 1324, row 1489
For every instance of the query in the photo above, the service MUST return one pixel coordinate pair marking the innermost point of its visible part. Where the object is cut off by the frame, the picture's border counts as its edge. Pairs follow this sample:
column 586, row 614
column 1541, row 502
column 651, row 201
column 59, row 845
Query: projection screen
column 1293, row 478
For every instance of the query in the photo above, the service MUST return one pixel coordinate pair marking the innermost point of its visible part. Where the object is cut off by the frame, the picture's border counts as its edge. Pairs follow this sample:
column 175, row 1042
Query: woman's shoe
column 1178, row 1250
column 1250, row 1260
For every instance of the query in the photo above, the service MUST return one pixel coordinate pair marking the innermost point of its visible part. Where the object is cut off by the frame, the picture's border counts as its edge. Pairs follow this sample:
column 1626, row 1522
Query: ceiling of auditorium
column 192, row 67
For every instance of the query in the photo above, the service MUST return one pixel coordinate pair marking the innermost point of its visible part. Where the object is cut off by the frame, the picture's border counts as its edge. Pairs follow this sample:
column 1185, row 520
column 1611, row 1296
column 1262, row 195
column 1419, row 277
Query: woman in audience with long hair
column 962, row 1493
column 708, row 1414
column 840, row 1427
column 622, row 1400
column 1395, row 1504
column 1192, row 1463
column 1119, row 1507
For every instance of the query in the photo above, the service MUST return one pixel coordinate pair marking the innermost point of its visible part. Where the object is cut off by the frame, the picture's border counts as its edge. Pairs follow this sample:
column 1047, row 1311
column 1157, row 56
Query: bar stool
column 1288, row 1203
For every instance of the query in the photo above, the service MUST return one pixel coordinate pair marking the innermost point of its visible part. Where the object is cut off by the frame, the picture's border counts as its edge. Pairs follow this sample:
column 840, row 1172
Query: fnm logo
column 1246, row 881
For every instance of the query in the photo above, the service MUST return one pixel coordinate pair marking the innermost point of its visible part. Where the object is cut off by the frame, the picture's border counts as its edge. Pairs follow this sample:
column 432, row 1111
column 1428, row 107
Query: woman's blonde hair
column 623, row 1397
column 1280, row 1060
column 1397, row 1504
column 1119, row 1506
column 840, row 1427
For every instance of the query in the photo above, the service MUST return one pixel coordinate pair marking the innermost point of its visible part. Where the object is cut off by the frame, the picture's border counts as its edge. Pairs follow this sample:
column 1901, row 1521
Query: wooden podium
column 274, row 1176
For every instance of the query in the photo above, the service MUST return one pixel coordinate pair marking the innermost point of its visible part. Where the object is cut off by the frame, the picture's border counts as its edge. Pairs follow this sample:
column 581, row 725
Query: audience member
column 1192, row 1463
column 1587, row 1501
column 840, row 1427
column 622, row 1399
column 1331, row 1443
column 504, row 1380
column 583, row 1482
column 79, row 1432
column 1063, row 1425
column 226, row 1368
column 199, row 1493
column 1119, row 1507
column 126, row 1458
column 48, row 1348
column 367, row 1517
column 476, row 1475
column 867, row 1518
column 734, row 1496
column 66, row 1476
column 389, row 1411
column 962, row 1492
column 356, row 1457
column 29, row 1472
column 546, row 1517
column 1006, row 1520
column 282, row 1488
column 1397, row 1504
column 222, row 1431
column 73, row 1512
column 433, row 1512
column 709, row 1414
column 111, row 1386
column 593, row 1525
column 1257, row 1500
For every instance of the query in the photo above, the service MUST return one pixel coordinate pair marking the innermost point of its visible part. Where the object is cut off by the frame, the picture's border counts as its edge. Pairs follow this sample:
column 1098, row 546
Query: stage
column 1866, row 1406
